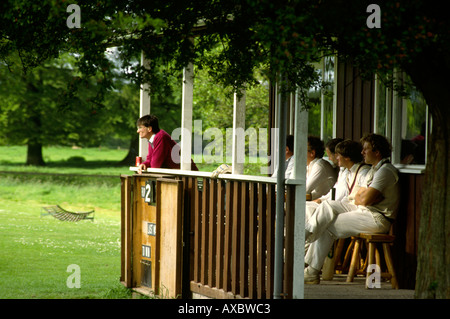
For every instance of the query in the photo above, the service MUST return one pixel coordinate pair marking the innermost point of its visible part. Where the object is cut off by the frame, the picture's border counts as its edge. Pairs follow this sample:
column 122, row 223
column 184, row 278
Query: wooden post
column 186, row 117
column 169, row 246
column 299, row 175
column 144, row 107
column 238, row 128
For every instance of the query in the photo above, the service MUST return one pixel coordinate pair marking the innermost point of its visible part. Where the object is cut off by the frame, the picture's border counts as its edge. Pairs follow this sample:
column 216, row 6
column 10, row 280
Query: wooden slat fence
column 232, row 237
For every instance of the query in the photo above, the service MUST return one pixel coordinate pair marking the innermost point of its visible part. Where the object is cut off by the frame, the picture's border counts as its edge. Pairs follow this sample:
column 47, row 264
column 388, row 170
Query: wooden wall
column 355, row 117
column 355, row 103
column 406, row 229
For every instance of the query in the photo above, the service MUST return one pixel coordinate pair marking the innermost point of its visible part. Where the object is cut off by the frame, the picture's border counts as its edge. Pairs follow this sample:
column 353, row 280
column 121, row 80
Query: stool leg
column 347, row 255
column 371, row 253
column 390, row 265
column 377, row 257
column 355, row 260
column 338, row 254
column 373, row 257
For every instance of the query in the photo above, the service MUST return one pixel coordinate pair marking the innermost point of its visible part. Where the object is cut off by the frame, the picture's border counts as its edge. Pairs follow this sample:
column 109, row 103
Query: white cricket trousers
column 338, row 219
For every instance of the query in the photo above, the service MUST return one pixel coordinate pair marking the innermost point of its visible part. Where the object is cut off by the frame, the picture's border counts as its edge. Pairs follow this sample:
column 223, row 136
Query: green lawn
column 101, row 161
column 35, row 254
column 35, row 250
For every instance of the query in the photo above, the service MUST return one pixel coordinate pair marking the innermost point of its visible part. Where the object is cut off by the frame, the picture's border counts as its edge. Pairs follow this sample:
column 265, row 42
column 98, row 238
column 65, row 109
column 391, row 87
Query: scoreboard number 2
column 148, row 192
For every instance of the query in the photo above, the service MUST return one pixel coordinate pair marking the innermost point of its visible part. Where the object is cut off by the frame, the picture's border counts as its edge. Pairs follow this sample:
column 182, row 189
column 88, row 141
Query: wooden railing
column 228, row 234
column 232, row 237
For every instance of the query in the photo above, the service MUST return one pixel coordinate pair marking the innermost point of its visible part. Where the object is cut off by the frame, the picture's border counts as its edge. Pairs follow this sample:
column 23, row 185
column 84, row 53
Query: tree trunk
column 34, row 154
column 429, row 74
column 433, row 264
column 133, row 151
column 34, row 151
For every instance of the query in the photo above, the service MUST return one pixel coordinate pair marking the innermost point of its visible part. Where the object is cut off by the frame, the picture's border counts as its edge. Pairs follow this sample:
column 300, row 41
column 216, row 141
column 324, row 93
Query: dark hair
column 290, row 142
column 379, row 143
column 350, row 149
column 316, row 144
column 149, row 120
column 331, row 144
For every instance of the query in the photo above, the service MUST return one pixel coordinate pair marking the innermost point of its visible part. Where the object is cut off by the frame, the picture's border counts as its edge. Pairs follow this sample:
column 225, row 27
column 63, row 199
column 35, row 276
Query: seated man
column 372, row 209
column 351, row 175
column 289, row 164
column 330, row 149
column 320, row 174
column 163, row 151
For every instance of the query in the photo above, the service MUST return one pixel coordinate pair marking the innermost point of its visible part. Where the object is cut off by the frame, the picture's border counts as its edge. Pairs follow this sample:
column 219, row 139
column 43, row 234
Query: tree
column 34, row 110
column 283, row 38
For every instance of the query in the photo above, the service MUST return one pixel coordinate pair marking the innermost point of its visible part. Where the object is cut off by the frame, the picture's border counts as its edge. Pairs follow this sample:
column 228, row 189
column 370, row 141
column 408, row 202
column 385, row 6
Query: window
column 328, row 100
column 404, row 121
column 414, row 128
column 322, row 102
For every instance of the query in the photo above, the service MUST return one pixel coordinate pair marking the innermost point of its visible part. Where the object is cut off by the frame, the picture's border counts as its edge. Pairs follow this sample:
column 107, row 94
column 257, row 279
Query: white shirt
column 288, row 165
column 320, row 177
column 151, row 140
column 340, row 186
column 356, row 177
column 384, row 178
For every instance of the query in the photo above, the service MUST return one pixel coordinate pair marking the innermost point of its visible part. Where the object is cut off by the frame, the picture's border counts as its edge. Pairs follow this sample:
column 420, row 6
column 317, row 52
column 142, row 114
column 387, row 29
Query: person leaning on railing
column 163, row 151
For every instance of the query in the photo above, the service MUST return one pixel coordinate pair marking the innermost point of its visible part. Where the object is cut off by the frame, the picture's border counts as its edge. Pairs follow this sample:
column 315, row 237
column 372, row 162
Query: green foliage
column 32, row 108
column 230, row 39
column 227, row 40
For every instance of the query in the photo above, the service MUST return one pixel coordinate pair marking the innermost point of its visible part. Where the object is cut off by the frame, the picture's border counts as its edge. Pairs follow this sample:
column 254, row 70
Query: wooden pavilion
column 231, row 236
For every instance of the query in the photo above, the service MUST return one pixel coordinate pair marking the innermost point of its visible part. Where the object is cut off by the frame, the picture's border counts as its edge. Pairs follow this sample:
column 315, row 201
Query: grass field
column 36, row 251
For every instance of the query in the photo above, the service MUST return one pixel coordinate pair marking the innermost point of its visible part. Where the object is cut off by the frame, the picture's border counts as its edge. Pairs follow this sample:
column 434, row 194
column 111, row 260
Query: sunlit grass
column 99, row 161
column 35, row 250
column 103, row 161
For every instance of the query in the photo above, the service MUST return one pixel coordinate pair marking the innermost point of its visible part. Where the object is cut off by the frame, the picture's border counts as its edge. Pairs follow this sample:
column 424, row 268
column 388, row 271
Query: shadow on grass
column 73, row 162
column 72, row 171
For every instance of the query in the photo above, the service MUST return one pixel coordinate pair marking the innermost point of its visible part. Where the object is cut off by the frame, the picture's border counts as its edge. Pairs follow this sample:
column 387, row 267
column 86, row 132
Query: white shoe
column 309, row 278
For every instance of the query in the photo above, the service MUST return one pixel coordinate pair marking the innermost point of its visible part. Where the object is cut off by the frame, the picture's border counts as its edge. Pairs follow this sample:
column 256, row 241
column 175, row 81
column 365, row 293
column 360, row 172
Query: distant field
column 99, row 161
column 66, row 160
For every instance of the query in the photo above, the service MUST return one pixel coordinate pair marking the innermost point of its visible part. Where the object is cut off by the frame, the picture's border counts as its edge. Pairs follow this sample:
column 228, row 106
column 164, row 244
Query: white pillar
column 238, row 152
column 299, row 175
column 144, row 106
column 279, row 204
column 186, row 117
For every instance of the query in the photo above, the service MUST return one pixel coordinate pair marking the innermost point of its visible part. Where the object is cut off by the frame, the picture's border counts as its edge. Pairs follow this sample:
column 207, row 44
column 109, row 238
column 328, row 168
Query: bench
column 60, row 213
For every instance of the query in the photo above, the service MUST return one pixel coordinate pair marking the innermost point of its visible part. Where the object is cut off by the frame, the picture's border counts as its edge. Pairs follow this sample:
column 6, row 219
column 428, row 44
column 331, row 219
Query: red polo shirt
column 160, row 153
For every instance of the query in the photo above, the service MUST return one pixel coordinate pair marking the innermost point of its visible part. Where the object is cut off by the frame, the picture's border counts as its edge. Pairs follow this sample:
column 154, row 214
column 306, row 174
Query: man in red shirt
column 163, row 151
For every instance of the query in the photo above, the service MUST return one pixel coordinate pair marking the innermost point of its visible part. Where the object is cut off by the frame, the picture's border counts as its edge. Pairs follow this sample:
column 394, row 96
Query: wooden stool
column 342, row 264
column 373, row 256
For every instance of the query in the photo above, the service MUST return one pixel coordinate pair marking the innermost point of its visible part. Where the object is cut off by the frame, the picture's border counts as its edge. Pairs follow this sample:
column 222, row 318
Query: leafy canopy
column 229, row 38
